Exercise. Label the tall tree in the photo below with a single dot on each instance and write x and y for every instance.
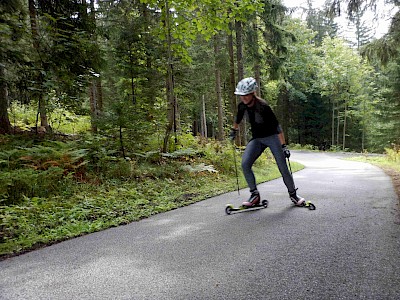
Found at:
(5, 126)
(95, 87)
(171, 98)
(240, 73)
(362, 30)
(10, 52)
(42, 109)
(341, 76)
(232, 78)
(320, 22)
(220, 108)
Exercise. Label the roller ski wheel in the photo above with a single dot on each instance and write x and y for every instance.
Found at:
(230, 208)
(307, 204)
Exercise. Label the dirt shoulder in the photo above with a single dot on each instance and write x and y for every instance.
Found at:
(395, 175)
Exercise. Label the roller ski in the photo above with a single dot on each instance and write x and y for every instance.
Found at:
(230, 208)
(252, 204)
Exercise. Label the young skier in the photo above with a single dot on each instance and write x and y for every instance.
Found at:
(266, 132)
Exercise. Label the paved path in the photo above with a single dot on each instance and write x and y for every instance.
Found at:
(349, 248)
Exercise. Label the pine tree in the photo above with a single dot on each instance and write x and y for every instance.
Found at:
(11, 53)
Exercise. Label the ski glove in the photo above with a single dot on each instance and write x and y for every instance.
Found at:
(232, 134)
(286, 151)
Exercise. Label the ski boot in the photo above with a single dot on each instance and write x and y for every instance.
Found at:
(296, 199)
(254, 200)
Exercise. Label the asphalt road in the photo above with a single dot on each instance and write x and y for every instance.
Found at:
(348, 248)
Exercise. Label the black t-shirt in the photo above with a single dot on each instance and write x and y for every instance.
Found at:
(261, 117)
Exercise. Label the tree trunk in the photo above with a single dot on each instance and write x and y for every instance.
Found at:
(150, 75)
(240, 73)
(172, 105)
(132, 64)
(121, 141)
(338, 127)
(218, 89)
(5, 126)
(333, 123)
(99, 88)
(232, 81)
(204, 133)
(257, 63)
(239, 50)
(94, 104)
(257, 76)
(363, 128)
(96, 89)
(34, 25)
(344, 125)
(43, 112)
(284, 109)
(42, 107)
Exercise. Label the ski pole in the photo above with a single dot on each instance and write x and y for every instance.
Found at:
(236, 170)
(290, 167)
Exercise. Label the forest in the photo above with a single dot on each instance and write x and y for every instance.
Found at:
(105, 92)
(153, 70)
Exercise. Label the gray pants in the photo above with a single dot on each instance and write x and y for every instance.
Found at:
(254, 149)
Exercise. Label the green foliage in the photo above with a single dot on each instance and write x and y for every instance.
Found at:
(125, 48)
(393, 154)
(39, 170)
(61, 120)
(20, 183)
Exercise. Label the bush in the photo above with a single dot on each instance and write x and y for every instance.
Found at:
(393, 154)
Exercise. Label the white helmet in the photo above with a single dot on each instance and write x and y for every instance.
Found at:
(246, 86)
